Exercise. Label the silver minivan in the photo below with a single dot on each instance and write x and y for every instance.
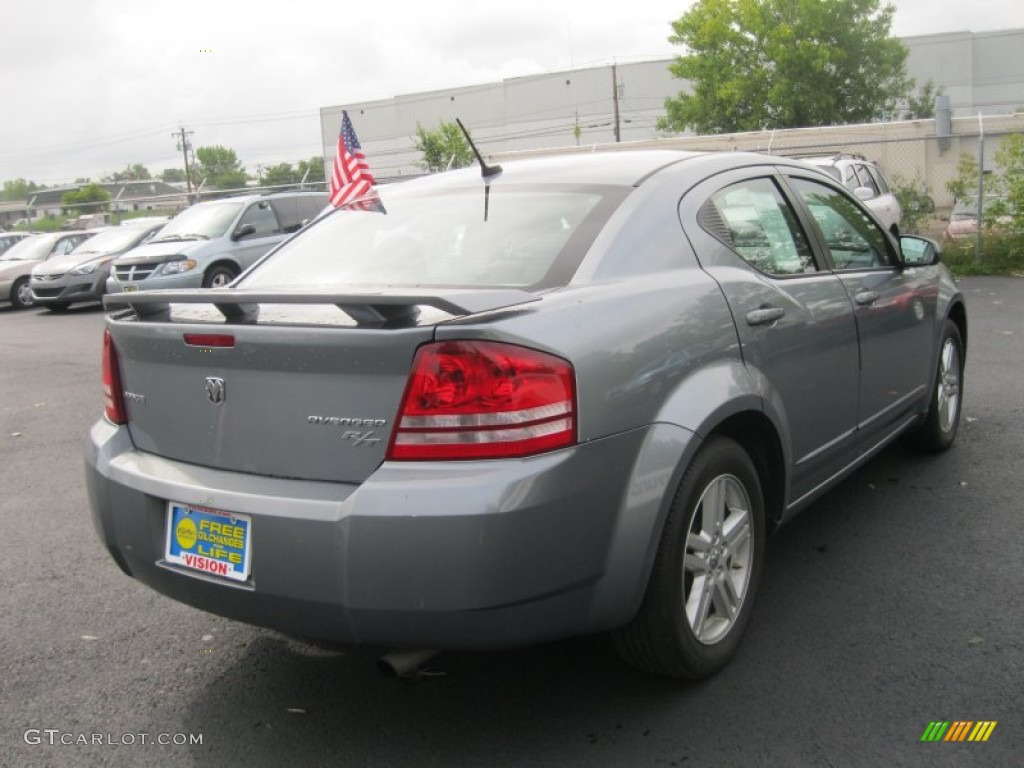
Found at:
(211, 243)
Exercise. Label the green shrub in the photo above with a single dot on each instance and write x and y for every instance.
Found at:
(914, 200)
(1000, 255)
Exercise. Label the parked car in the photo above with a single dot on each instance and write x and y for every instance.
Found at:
(81, 275)
(963, 219)
(209, 244)
(16, 262)
(571, 397)
(7, 239)
(863, 178)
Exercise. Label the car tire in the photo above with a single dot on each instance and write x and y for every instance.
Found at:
(939, 429)
(21, 294)
(218, 277)
(706, 572)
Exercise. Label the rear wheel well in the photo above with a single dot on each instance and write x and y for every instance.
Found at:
(755, 432)
(958, 315)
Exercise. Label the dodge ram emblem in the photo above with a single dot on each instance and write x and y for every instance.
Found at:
(215, 389)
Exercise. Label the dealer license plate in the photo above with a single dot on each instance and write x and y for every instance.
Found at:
(209, 540)
(129, 288)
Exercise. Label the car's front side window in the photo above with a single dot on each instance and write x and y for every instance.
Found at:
(64, 246)
(753, 219)
(866, 180)
(261, 217)
(851, 237)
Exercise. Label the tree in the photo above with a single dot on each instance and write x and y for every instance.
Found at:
(136, 172)
(921, 104)
(19, 189)
(966, 181)
(173, 176)
(282, 173)
(88, 199)
(762, 64)
(220, 167)
(1008, 184)
(315, 166)
(444, 148)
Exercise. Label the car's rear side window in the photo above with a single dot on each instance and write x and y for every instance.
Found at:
(295, 211)
(753, 219)
(514, 236)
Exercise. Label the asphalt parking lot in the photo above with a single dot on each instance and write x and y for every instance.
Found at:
(894, 601)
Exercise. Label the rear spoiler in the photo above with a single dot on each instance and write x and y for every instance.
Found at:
(386, 306)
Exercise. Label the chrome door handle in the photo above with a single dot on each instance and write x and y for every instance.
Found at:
(866, 298)
(765, 315)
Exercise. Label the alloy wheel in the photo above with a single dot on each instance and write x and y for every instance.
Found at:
(718, 560)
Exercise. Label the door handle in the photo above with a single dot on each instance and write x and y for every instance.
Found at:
(765, 315)
(866, 298)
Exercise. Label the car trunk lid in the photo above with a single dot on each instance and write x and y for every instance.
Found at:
(289, 385)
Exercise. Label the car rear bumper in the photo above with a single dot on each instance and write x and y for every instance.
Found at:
(469, 555)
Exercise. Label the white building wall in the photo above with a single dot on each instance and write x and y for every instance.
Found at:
(979, 72)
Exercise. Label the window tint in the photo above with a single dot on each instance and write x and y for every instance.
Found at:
(754, 220)
(851, 238)
(262, 217)
(294, 211)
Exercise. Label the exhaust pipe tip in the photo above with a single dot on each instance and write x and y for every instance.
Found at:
(404, 662)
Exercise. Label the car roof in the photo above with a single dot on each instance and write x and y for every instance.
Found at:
(615, 168)
(247, 198)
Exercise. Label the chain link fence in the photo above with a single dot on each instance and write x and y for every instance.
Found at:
(923, 162)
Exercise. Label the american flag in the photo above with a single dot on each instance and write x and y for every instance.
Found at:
(351, 177)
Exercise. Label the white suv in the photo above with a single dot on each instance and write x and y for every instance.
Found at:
(863, 178)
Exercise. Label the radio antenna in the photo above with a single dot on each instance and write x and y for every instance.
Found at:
(485, 169)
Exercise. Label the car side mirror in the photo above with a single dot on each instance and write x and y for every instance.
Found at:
(243, 231)
(864, 193)
(919, 251)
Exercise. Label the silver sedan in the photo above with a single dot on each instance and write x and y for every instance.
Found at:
(491, 410)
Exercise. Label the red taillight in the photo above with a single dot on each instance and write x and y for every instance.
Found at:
(209, 339)
(113, 398)
(484, 400)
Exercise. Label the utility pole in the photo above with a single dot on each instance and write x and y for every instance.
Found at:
(615, 101)
(981, 188)
(185, 146)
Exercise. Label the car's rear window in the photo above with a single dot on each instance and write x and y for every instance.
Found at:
(526, 237)
(832, 171)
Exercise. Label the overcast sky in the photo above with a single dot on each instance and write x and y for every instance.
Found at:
(89, 86)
